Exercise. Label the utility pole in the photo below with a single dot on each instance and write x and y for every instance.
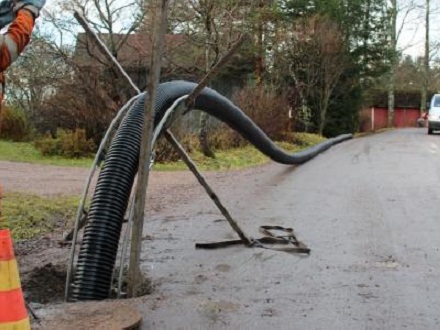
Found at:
(158, 10)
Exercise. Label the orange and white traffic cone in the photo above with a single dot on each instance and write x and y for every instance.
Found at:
(13, 313)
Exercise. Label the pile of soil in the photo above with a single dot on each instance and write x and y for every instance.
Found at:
(45, 284)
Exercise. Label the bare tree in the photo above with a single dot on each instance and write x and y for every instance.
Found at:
(212, 26)
(408, 74)
(318, 61)
(205, 8)
(35, 77)
(432, 47)
(404, 8)
(82, 88)
(426, 59)
(331, 66)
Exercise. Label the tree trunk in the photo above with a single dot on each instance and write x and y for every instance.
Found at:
(259, 61)
(323, 108)
(391, 103)
(425, 85)
(204, 117)
(203, 135)
(391, 81)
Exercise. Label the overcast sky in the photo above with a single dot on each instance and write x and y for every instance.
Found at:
(412, 38)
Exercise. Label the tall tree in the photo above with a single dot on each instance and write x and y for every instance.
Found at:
(393, 62)
(213, 26)
(262, 17)
(204, 117)
(319, 59)
(404, 9)
(87, 90)
(205, 8)
(426, 59)
(35, 78)
(362, 28)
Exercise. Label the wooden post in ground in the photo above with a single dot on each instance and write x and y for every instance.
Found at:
(158, 10)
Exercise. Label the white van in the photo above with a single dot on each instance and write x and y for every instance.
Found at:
(434, 114)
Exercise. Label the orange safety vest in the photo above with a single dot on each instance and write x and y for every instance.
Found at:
(12, 44)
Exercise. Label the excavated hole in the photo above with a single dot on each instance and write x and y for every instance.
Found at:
(46, 284)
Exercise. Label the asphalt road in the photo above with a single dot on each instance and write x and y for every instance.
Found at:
(367, 208)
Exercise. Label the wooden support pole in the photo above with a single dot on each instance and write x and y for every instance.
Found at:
(171, 139)
(159, 12)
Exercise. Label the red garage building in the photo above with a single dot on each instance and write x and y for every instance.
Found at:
(406, 112)
(376, 118)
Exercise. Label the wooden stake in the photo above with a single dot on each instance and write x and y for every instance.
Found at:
(159, 12)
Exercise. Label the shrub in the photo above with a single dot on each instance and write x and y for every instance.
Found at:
(75, 144)
(47, 145)
(14, 124)
(225, 138)
(70, 144)
(222, 138)
(303, 140)
(165, 152)
(266, 107)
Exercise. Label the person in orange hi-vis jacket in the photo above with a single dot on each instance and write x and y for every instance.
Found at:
(21, 16)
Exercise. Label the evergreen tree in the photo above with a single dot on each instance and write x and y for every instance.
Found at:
(363, 28)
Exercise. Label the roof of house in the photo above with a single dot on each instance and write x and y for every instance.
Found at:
(134, 50)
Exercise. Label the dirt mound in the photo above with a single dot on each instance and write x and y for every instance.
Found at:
(45, 284)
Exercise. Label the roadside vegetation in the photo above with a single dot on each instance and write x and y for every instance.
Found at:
(239, 157)
(29, 216)
(25, 152)
(242, 156)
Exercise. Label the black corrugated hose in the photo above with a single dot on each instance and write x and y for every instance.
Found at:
(96, 259)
